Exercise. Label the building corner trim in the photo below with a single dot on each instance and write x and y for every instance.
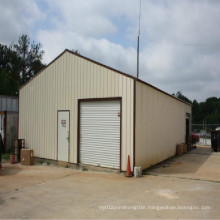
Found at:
(134, 124)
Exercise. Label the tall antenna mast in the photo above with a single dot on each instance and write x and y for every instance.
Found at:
(139, 33)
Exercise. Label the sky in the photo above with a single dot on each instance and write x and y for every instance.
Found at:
(179, 39)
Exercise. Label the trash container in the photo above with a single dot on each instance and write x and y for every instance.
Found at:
(215, 140)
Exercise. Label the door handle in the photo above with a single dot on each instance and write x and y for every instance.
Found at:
(68, 136)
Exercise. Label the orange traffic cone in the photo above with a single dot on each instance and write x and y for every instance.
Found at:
(128, 173)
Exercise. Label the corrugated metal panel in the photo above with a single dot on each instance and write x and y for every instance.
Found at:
(14, 105)
(8, 103)
(59, 87)
(160, 125)
(4, 104)
(100, 133)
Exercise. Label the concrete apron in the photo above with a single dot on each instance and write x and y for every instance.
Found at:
(46, 191)
(199, 164)
(83, 167)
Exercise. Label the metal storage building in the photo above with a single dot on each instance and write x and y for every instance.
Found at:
(80, 111)
(8, 120)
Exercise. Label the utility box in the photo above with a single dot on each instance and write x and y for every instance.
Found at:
(27, 157)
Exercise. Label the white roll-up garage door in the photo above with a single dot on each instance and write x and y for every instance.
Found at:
(100, 133)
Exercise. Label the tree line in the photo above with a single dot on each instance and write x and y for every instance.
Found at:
(20, 61)
(208, 111)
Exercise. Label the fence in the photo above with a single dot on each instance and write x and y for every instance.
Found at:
(204, 132)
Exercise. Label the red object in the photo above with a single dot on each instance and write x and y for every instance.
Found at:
(12, 159)
(128, 173)
(194, 138)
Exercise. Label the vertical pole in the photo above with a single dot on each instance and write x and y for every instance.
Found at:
(139, 32)
(205, 134)
(138, 58)
(203, 131)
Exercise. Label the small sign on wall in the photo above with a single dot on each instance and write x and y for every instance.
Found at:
(63, 123)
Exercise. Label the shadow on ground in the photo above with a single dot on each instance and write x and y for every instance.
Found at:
(8, 170)
(200, 163)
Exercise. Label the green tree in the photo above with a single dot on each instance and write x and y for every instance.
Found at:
(212, 110)
(19, 63)
(8, 85)
(180, 96)
(208, 111)
(195, 110)
(9, 71)
(30, 55)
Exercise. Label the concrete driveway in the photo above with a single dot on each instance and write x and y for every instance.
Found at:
(199, 164)
(55, 192)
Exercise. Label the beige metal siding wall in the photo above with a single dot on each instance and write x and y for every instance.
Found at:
(160, 125)
(59, 87)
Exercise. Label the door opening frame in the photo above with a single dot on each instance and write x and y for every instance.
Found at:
(188, 130)
(58, 133)
(4, 128)
(78, 123)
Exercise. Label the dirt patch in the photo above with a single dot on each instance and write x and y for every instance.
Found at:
(16, 176)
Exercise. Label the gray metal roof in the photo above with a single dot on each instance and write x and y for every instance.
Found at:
(8, 103)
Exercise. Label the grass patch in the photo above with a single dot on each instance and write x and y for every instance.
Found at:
(84, 169)
(44, 162)
(67, 166)
(6, 156)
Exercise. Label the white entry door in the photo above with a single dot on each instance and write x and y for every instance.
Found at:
(63, 135)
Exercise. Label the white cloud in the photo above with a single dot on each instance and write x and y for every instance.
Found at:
(180, 40)
(86, 17)
(101, 50)
(178, 68)
(16, 18)
(182, 21)
(183, 53)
